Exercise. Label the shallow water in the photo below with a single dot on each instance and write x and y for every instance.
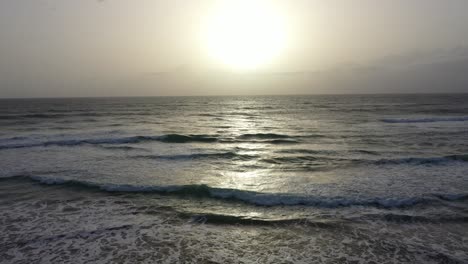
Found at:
(235, 179)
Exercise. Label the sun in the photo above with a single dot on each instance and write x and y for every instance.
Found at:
(244, 34)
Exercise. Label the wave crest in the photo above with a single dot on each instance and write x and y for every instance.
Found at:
(171, 138)
(220, 155)
(263, 136)
(255, 198)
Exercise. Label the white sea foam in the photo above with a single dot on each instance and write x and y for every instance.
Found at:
(59, 225)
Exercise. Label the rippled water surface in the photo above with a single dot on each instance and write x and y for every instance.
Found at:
(380, 177)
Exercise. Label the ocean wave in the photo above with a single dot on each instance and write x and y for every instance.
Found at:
(170, 138)
(321, 159)
(222, 219)
(452, 197)
(425, 120)
(298, 159)
(8, 117)
(76, 142)
(67, 114)
(124, 148)
(267, 138)
(252, 197)
(220, 155)
(263, 136)
(279, 141)
(45, 115)
(267, 141)
(176, 138)
(10, 139)
(206, 114)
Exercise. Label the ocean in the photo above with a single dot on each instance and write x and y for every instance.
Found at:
(235, 179)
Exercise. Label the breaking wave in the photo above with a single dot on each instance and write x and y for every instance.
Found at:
(255, 198)
(221, 219)
(169, 138)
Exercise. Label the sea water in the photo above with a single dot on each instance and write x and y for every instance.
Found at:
(237, 179)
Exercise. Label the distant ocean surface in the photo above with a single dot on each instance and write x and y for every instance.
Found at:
(259, 179)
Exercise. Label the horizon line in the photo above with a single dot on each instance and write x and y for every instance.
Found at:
(232, 95)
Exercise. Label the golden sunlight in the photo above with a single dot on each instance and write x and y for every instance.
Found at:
(244, 35)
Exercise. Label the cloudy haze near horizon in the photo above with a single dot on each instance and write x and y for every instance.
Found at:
(54, 48)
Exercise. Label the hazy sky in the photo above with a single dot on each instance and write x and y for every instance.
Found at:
(55, 48)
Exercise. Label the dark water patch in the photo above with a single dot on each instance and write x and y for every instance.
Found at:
(367, 152)
(32, 116)
(452, 197)
(207, 115)
(280, 141)
(8, 117)
(424, 219)
(440, 257)
(257, 107)
(176, 138)
(13, 139)
(436, 110)
(458, 157)
(124, 148)
(62, 128)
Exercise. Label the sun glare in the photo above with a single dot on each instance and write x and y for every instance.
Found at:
(244, 34)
